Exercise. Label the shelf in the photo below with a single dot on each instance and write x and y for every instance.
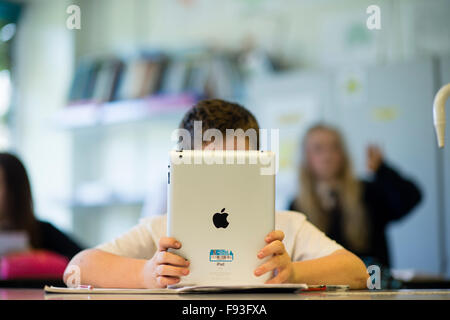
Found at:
(92, 114)
(112, 202)
(106, 204)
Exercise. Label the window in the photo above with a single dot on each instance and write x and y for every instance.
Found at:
(9, 14)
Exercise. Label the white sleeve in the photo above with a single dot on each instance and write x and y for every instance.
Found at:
(137, 243)
(311, 243)
(156, 201)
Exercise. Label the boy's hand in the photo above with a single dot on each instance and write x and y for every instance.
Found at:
(280, 262)
(374, 158)
(165, 268)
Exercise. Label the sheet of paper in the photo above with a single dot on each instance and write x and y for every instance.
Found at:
(13, 241)
(179, 290)
(52, 289)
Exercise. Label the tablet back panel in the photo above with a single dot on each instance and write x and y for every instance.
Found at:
(221, 214)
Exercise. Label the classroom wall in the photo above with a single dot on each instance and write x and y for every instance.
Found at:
(309, 35)
(42, 62)
(306, 33)
(444, 160)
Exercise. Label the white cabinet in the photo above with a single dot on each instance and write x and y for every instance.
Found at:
(444, 70)
(395, 112)
(388, 105)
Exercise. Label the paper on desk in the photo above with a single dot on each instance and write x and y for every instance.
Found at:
(262, 288)
(13, 241)
(177, 290)
(52, 289)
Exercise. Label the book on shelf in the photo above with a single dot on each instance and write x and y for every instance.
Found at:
(174, 78)
(151, 78)
(141, 77)
(197, 76)
(107, 80)
(205, 74)
(83, 82)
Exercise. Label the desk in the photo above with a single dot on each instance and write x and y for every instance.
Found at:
(38, 294)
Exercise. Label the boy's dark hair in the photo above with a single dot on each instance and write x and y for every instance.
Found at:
(221, 115)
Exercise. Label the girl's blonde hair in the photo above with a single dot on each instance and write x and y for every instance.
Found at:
(354, 220)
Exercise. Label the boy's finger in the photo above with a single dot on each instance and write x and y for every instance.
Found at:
(275, 247)
(165, 257)
(275, 235)
(167, 281)
(168, 270)
(279, 278)
(166, 243)
(273, 263)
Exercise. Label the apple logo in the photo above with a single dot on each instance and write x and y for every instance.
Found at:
(220, 219)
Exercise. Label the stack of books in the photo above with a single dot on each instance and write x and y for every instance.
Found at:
(201, 73)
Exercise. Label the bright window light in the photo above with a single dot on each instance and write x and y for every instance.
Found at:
(4, 138)
(5, 91)
(8, 32)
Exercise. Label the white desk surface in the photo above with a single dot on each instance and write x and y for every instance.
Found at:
(38, 294)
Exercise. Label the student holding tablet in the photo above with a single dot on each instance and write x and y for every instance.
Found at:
(144, 257)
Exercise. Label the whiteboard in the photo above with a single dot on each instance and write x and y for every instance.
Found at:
(395, 112)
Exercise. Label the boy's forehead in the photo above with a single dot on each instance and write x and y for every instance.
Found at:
(230, 143)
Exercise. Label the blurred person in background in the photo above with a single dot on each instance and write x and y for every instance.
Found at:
(17, 213)
(353, 212)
